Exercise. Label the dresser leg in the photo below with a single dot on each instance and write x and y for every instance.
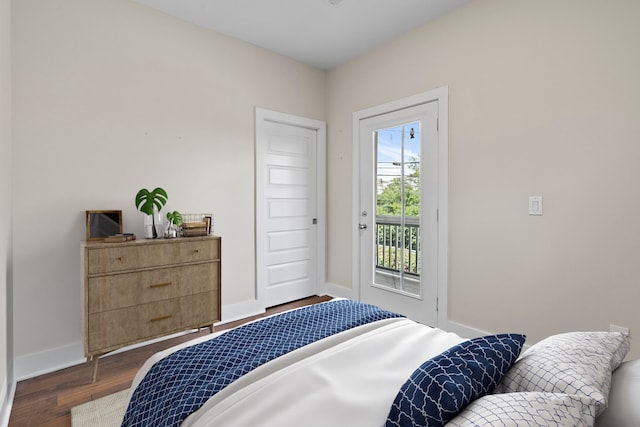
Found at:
(94, 373)
(211, 327)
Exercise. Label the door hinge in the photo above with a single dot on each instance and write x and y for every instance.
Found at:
(314, 221)
(437, 304)
(437, 215)
(438, 124)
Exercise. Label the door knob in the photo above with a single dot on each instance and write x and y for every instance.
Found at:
(363, 226)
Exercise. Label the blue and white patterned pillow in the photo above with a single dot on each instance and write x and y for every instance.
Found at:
(445, 384)
(528, 409)
(577, 363)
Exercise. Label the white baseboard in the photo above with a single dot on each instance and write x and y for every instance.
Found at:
(338, 291)
(43, 362)
(6, 394)
(47, 361)
(468, 332)
(463, 330)
(233, 312)
(3, 394)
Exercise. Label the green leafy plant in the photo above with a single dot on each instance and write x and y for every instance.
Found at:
(146, 200)
(175, 218)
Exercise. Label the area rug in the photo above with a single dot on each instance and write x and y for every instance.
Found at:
(107, 411)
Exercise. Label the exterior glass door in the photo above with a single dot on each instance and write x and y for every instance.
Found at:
(398, 156)
(397, 230)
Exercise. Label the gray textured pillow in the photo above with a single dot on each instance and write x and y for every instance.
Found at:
(527, 410)
(575, 363)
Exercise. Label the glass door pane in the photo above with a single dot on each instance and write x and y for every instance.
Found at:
(398, 207)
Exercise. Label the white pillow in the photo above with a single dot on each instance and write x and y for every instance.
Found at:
(623, 410)
(575, 363)
(527, 409)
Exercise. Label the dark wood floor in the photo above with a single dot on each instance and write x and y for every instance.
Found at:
(47, 400)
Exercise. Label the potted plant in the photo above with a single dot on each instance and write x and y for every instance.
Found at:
(149, 201)
(175, 221)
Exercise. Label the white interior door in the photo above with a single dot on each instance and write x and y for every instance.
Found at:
(398, 214)
(286, 206)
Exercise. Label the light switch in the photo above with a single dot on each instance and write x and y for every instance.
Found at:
(535, 205)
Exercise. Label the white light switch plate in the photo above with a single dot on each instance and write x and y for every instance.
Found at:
(535, 205)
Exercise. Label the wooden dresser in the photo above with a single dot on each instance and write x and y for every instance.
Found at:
(143, 289)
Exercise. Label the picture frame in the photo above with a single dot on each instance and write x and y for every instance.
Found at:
(101, 224)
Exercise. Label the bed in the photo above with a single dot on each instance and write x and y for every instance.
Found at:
(346, 363)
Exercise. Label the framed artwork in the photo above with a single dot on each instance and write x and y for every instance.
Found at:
(102, 224)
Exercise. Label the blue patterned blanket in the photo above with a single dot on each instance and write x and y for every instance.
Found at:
(182, 382)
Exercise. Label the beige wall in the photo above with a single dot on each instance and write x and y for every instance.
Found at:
(543, 101)
(5, 197)
(111, 97)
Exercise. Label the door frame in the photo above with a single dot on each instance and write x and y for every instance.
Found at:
(441, 95)
(263, 115)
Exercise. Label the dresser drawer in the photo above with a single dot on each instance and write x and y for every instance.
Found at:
(129, 289)
(197, 250)
(124, 257)
(116, 328)
(104, 260)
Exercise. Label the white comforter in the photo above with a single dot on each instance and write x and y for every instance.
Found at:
(349, 379)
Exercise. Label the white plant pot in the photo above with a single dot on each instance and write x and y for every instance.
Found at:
(149, 224)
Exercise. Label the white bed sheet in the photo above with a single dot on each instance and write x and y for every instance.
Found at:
(349, 379)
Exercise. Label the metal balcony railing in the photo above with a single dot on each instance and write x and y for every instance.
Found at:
(398, 246)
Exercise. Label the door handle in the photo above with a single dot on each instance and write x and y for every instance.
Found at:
(363, 226)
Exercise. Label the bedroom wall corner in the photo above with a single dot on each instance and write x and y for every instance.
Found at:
(543, 101)
(152, 101)
(7, 384)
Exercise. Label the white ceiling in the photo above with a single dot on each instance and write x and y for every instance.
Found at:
(315, 32)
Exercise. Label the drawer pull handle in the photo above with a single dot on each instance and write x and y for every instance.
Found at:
(157, 319)
(160, 285)
(196, 251)
(120, 258)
